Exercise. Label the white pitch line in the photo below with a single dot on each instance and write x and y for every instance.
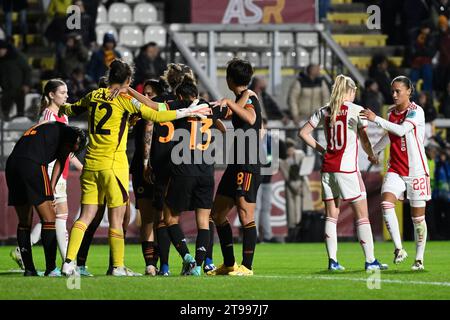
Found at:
(433, 283)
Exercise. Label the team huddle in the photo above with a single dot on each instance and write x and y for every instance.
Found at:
(36, 171)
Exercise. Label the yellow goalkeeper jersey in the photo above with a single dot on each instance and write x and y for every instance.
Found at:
(108, 126)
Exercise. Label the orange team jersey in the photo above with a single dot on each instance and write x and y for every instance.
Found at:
(108, 126)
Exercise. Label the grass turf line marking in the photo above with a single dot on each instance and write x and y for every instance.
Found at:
(429, 283)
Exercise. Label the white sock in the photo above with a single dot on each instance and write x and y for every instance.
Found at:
(390, 218)
(420, 235)
(61, 234)
(331, 237)
(364, 231)
(35, 235)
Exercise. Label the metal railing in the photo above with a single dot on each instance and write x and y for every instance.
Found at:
(330, 55)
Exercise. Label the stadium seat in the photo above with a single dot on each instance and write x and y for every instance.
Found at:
(127, 54)
(307, 39)
(222, 58)
(134, 1)
(257, 39)
(119, 13)
(231, 39)
(100, 30)
(355, 40)
(187, 38)
(286, 39)
(251, 57)
(145, 13)
(131, 36)
(349, 18)
(32, 100)
(13, 130)
(102, 15)
(156, 34)
(363, 62)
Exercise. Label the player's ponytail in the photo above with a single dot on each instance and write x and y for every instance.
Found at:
(119, 72)
(51, 86)
(176, 73)
(341, 87)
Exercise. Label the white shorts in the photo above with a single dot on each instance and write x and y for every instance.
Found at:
(417, 188)
(61, 190)
(345, 186)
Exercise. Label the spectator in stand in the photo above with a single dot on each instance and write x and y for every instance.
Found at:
(425, 100)
(269, 108)
(79, 85)
(306, 93)
(443, 8)
(422, 50)
(15, 80)
(263, 208)
(56, 30)
(379, 71)
(102, 58)
(442, 70)
(392, 20)
(432, 152)
(415, 12)
(73, 56)
(295, 187)
(441, 195)
(149, 64)
(444, 108)
(19, 6)
(91, 7)
(86, 31)
(372, 97)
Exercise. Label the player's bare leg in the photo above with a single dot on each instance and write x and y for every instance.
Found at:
(332, 212)
(391, 221)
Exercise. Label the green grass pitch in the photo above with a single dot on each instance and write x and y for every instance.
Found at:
(282, 271)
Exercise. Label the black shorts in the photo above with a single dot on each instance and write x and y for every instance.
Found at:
(236, 183)
(28, 182)
(155, 192)
(186, 193)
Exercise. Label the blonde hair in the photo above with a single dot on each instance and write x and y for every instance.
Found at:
(342, 85)
(176, 73)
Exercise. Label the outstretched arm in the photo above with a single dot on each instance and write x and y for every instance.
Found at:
(397, 129)
(143, 99)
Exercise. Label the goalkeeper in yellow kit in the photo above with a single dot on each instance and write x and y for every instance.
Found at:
(105, 173)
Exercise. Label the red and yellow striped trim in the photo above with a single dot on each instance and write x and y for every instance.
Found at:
(48, 190)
